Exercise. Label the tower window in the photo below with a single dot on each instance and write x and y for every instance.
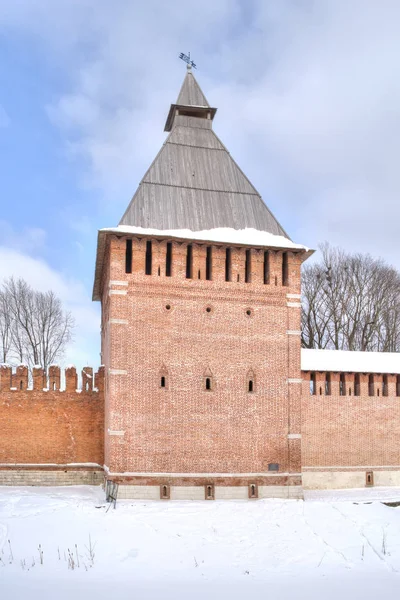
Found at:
(128, 256)
(189, 261)
(357, 384)
(247, 273)
(371, 385)
(313, 387)
(149, 258)
(385, 386)
(163, 382)
(285, 270)
(251, 385)
(168, 260)
(342, 385)
(209, 263)
(327, 384)
(266, 267)
(228, 264)
(208, 383)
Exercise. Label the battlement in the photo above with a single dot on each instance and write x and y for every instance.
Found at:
(327, 383)
(147, 259)
(17, 379)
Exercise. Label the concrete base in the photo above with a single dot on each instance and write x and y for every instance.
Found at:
(197, 492)
(346, 479)
(50, 477)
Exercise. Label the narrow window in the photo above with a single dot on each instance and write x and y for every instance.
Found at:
(228, 264)
(20, 385)
(313, 387)
(285, 270)
(398, 385)
(247, 271)
(209, 492)
(159, 271)
(349, 391)
(149, 258)
(198, 274)
(209, 263)
(251, 385)
(385, 386)
(128, 256)
(369, 478)
(266, 266)
(168, 260)
(253, 491)
(189, 261)
(327, 384)
(208, 383)
(342, 385)
(163, 381)
(164, 492)
(371, 385)
(357, 384)
(87, 387)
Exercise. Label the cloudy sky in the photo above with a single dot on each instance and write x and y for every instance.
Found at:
(308, 97)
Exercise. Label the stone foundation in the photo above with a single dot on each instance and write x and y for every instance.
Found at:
(350, 478)
(50, 477)
(198, 492)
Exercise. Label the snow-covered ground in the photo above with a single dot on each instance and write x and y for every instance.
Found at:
(326, 547)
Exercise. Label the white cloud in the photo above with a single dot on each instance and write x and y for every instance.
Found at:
(30, 239)
(86, 346)
(308, 98)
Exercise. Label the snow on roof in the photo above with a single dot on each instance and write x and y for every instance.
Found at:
(226, 235)
(350, 361)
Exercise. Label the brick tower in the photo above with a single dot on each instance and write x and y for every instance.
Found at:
(200, 293)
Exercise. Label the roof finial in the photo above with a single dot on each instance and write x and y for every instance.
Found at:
(188, 61)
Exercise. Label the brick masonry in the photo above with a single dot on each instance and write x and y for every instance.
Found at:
(346, 436)
(181, 435)
(187, 331)
(49, 436)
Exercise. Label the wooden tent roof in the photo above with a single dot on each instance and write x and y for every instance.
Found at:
(194, 183)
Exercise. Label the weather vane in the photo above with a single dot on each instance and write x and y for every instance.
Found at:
(186, 58)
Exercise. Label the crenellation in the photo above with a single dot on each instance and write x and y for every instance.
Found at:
(54, 377)
(87, 379)
(71, 379)
(19, 378)
(5, 377)
(39, 379)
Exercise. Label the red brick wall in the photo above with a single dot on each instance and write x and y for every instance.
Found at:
(350, 430)
(51, 426)
(185, 429)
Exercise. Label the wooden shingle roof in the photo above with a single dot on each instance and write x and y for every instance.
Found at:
(194, 183)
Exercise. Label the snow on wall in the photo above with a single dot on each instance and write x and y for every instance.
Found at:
(226, 235)
(350, 361)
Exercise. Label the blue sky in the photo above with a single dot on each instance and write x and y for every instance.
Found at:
(308, 99)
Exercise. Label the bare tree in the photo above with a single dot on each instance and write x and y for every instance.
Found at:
(5, 328)
(34, 328)
(350, 302)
